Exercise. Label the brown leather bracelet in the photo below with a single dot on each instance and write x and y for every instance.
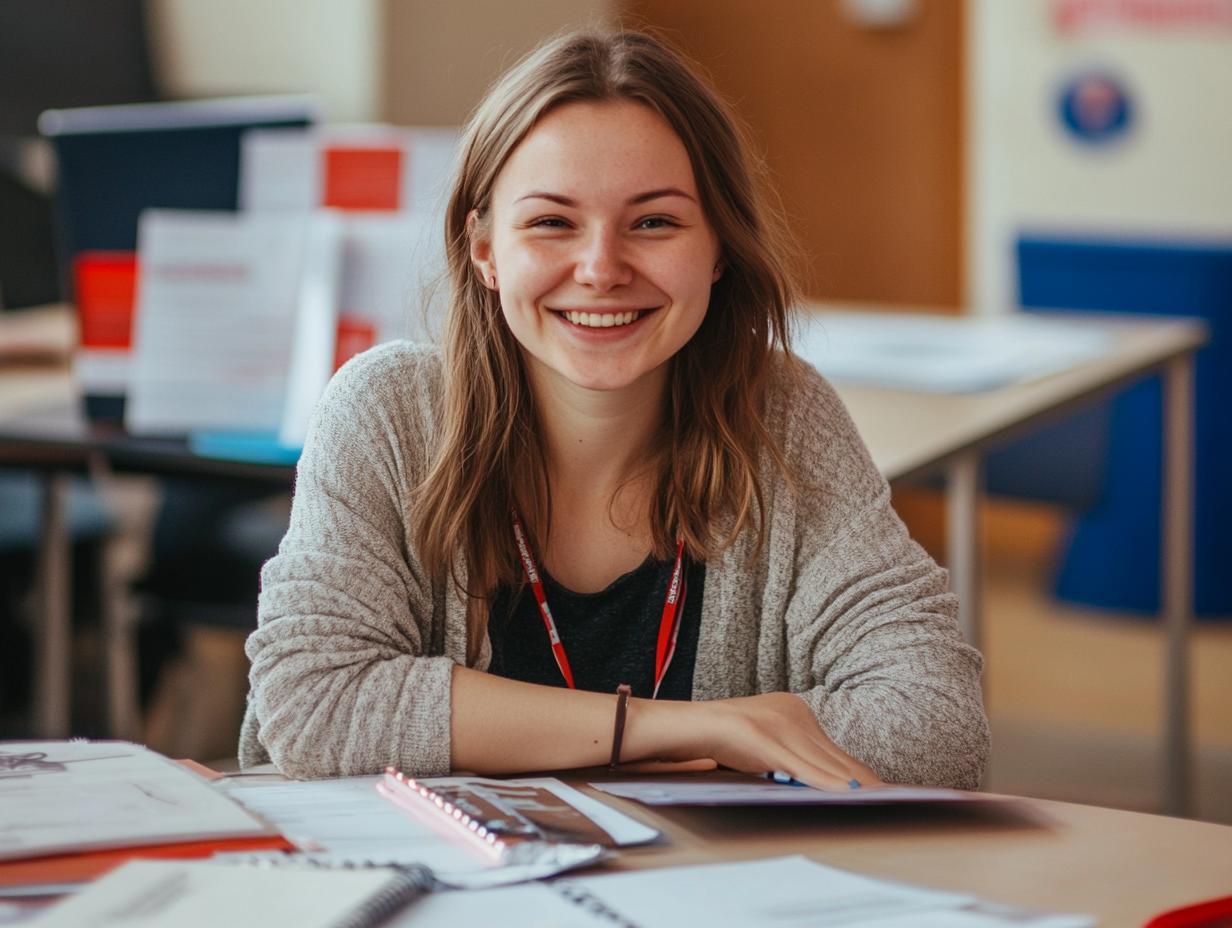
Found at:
(623, 692)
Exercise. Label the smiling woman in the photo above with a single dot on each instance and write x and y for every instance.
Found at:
(615, 426)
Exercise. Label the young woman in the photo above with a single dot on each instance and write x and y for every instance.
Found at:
(613, 473)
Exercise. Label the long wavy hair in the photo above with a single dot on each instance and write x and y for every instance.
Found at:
(490, 455)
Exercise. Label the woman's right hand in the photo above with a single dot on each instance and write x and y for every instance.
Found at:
(754, 734)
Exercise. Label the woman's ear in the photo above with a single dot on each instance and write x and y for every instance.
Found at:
(718, 270)
(481, 250)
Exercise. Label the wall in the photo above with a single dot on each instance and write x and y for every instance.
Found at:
(440, 57)
(862, 128)
(329, 48)
(1167, 176)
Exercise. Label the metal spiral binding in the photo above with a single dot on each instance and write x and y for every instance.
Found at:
(408, 884)
(474, 827)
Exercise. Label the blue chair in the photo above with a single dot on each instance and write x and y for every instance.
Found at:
(1108, 463)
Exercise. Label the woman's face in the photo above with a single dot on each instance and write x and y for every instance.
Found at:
(598, 245)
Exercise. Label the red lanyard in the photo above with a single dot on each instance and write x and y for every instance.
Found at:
(669, 623)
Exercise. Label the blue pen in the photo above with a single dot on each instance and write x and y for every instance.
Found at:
(778, 776)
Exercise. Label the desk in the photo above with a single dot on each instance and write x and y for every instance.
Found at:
(909, 435)
(1120, 866)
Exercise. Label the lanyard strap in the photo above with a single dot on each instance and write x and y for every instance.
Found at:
(669, 622)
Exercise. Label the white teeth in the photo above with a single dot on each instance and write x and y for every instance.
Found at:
(601, 320)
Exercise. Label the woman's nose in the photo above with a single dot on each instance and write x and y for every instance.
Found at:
(601, 262)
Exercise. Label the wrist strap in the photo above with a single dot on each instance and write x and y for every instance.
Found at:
(622, 704)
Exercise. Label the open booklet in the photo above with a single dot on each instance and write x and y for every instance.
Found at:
(787, 892)
(471, 831)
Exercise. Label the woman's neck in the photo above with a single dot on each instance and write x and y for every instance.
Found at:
(596, 440)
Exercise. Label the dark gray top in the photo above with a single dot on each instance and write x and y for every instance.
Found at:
(610, 636)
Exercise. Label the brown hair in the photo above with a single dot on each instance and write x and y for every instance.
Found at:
(714, 430)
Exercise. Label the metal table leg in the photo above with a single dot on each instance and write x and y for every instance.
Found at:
(1176, 546)
(962, 499)
(53, 626)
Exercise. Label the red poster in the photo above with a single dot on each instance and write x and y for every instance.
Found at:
(363, 178)
(106, 286)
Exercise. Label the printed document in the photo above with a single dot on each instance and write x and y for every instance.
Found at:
(58, 797)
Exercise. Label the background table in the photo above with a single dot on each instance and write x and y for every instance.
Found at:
(912, 434)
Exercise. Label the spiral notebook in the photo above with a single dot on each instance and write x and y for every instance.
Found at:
(471, 831)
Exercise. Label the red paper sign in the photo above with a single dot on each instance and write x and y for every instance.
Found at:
(106, 286)
(354, 335)
(363, 178)
(1072, 16)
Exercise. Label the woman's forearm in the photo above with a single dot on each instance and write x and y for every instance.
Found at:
(505, 726)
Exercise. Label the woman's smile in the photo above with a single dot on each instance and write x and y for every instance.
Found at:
(598, 245)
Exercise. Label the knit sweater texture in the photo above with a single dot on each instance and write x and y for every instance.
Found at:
(351, 661)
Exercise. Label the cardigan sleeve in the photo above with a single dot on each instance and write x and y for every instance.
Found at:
(341, 681)
(872, 636)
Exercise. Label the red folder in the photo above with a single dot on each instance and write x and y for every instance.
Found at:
(81, 868)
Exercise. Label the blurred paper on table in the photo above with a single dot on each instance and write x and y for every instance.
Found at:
(941, 354)
(235, 313)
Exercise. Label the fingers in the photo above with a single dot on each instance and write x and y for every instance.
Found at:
(817, 760)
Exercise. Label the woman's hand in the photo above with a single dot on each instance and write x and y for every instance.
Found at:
(755, 734)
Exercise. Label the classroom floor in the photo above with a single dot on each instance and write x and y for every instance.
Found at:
(1075, 695)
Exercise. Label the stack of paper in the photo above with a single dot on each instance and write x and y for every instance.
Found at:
(72, 810)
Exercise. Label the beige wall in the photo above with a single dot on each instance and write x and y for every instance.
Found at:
(1167, 177)
(439, 56)
(327, 48)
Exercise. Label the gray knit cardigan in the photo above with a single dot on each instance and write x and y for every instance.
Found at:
(351, 660)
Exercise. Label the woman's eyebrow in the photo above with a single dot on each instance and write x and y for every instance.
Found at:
(639, 198)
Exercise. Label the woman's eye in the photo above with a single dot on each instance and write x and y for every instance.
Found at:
(548, 222)
(655, 222)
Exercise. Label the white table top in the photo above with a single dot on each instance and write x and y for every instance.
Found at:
(910, 432)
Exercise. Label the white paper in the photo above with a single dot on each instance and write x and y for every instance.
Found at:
(942, 354)
(392, 274)
(700, 792)
(531, 906)
(218, 304)
(57, 797)
(789, 892)
(314, 329)
(201, 894)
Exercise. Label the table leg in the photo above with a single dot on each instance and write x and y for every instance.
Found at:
(1176, 545)
(120, 646)
(962, 500)
(52, 621)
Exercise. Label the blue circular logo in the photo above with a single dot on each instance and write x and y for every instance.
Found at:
(1095, 108)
